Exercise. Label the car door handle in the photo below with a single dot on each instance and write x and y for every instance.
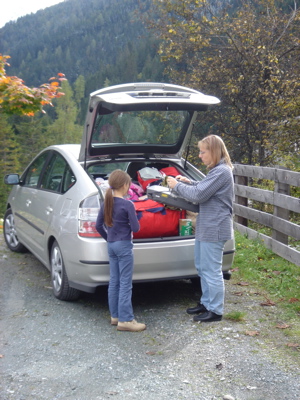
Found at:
(28, 202)
(49, 210)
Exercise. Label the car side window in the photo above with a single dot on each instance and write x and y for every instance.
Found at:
(58, 176)
(34, 171)
(69, 179)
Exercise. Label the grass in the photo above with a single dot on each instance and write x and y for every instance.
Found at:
(236, 316)
(276, 276)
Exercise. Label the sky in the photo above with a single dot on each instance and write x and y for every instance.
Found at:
(14, 9)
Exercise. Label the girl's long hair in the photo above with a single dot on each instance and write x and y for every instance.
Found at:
(218, 150)
(117, 179)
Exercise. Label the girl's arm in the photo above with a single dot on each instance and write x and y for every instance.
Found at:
(100, 227)
(133, 220)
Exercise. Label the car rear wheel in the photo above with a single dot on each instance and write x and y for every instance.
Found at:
(10, 234)
(59, 278)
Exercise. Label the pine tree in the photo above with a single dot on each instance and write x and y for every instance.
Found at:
(64, 129)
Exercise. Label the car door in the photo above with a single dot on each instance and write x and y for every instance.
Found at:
(25, 201)
(39, 204)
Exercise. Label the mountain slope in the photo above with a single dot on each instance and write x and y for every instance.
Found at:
(99, 39)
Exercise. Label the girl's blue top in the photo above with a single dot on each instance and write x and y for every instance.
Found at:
(124, 221)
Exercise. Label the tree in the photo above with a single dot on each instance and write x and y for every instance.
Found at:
(249, 58)
(10, 155)
(16, 98)
(64, 129)
(79, 91)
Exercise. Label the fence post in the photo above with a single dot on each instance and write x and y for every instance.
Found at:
(241, 180)
(280, 212)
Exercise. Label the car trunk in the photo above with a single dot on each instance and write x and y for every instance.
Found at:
(158, 220)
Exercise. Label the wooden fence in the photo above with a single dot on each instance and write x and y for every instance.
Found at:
(282, 204)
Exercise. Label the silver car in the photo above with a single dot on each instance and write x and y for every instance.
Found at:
(53, 205)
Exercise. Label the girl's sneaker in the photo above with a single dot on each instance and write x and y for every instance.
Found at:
(131, 326)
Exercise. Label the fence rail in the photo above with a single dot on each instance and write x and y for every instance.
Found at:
(280, 199)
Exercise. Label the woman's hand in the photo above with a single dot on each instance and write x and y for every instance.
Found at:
(183, 179)
(172, 182)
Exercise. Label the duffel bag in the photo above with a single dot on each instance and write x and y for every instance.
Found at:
(156, 220)
(148, 175)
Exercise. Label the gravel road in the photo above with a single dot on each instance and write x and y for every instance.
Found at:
(58, 350)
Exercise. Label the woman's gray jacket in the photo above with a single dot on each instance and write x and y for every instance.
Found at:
(215, 197)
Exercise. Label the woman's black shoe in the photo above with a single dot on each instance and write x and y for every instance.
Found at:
(208, 316)
(197, 310)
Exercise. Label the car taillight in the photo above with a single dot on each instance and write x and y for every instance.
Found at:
(88, 212)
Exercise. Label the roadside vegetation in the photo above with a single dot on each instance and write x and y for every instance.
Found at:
(275, 277)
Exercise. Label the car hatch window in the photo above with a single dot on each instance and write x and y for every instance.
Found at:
(143, 127)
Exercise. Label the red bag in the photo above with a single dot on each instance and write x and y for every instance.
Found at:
(145, 183)
(170, 171)
(156, 220)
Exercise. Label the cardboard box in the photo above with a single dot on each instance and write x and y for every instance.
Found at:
(185, 227)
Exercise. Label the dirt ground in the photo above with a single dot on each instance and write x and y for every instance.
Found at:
(58, 350)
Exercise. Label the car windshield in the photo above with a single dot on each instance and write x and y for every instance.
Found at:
(141, 127)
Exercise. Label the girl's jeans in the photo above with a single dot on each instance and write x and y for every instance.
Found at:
(120, 283)
(208, 262)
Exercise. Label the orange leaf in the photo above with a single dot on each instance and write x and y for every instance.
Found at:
(293, 344)
(243, 283)
(54, 84)
(60, 74)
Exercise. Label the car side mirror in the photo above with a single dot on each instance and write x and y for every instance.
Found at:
(12, 179)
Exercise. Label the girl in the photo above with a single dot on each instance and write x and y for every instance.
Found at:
(116, 221)
(214, 224)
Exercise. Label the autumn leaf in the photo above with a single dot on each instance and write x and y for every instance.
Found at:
(243, 284)
(268, 303)
(282, 326)
(151, 353)
(252, 333)
(296, 345)
(293, 300)
(238, 293)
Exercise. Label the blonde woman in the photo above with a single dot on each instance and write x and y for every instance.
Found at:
(213, 226)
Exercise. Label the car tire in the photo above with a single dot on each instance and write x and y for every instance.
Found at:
(10, 233)
(59, 278)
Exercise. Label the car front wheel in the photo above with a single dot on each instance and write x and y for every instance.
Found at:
(10, 233)
(59, 278)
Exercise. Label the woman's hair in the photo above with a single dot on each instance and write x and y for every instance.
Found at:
(217, 148)
(117, 179)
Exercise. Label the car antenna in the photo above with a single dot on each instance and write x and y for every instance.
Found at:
(188, 147)
(85, 151)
